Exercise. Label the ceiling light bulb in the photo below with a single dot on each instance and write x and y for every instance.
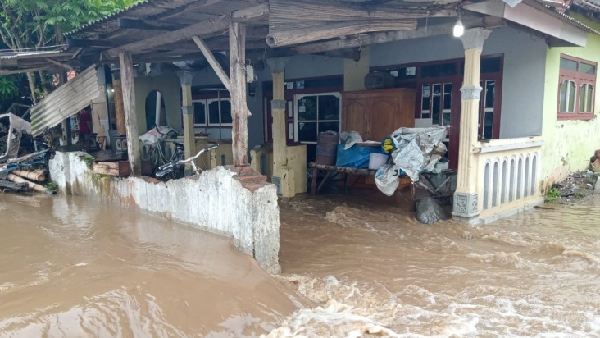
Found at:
(458, 29)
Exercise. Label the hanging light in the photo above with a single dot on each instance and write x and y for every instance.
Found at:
(458, 28)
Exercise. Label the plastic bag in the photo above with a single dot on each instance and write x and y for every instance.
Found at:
(386, 180)
(350, 138)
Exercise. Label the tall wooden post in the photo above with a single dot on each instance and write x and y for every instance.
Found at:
(239, 105)
(465, 206)
(119, 108)
(131, 126)
(187, 108)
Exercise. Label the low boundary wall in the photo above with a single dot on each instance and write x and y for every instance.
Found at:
(238, 203)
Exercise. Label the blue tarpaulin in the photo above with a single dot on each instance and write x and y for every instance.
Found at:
(356, 156)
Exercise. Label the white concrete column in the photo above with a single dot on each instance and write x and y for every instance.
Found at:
(280, 158)
(465, 206)
(277, 66)
(187, 107)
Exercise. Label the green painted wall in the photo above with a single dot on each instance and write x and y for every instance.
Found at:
(568, 144)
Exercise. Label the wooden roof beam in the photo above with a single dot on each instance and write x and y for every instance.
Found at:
(125, 23)
(199, 29)
(330, 31)
(59, 64)
(383, 37)
(213, 62)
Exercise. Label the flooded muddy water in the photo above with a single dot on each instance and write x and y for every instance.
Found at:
(373, 270)
(353, 266)
(70, 268)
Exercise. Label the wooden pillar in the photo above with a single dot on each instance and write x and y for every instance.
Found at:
(239, 105)
(119, 108)
(131, 126)
(187, 108)
(465, 206)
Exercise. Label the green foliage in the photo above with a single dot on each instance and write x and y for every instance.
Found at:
(552, 195)
(40, 23)
(52, 186)
(8, 88)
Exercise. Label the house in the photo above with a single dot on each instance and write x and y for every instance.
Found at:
(571, 101)
(279, 72)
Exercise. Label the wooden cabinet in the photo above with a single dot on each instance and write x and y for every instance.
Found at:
(375, 114)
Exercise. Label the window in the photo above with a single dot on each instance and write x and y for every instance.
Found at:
(212, 112)
(436, 103)
(576, 88)
(316, 114)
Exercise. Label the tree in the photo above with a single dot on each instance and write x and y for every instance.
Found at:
(35, 24)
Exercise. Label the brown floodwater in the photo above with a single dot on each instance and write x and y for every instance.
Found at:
(373, 270)
(353, 266)
(71, 268)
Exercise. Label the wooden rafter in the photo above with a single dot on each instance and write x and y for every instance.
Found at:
(200, 29)
(213, 62)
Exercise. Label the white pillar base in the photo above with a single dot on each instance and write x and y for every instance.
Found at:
(464, 206)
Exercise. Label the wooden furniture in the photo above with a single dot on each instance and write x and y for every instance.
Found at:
(329, 170)
(376, 113)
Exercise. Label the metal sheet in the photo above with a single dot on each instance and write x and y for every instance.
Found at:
(65, 101)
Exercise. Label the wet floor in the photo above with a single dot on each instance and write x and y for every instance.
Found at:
(353, 266)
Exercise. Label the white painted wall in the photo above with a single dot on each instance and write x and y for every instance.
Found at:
(215, 202)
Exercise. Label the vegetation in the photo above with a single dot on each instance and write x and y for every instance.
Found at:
(52, 186)
(36, 24)
(552, 195)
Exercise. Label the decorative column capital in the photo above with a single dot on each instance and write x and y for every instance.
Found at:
(277, 65)
(186, 77)
(470, 93)
(473, 38)
(278, 104)
(187, 110)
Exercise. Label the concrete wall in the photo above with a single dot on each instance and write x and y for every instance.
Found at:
(170, 89)
(522, 94)
(216, 201)
(568, 144)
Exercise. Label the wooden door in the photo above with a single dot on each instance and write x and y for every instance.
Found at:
(383, 112)
(355, 114)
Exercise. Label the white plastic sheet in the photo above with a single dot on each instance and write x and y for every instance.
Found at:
(155, 134)
(350, 138)
(386, 179)
(417, 149)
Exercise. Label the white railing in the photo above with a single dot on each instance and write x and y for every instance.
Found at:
(509, 174)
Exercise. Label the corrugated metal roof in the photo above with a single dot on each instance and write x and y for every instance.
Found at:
(115, 14)
(17, 55)
(593, 5)
(65, 101)
(573, 20)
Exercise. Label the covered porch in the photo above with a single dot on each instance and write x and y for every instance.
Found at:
(492, 144)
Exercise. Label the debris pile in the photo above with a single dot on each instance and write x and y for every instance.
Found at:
(578, 186)
(23, 164)
(595, 161)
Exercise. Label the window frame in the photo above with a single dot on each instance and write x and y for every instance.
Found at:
(207, 111)
(203, 101)
(297, 97)
(207, 102)
(579, 78)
